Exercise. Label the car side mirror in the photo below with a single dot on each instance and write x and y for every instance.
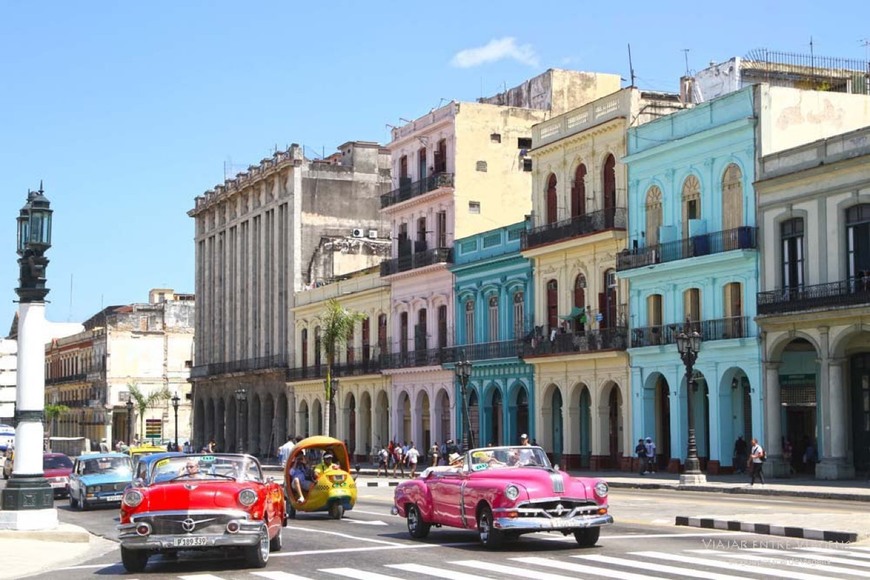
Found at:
(556, 467)
(138, 482)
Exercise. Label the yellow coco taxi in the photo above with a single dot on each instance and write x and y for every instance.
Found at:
(138, 451)
(317, 478)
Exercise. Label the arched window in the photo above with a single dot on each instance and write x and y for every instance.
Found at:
(733, 301)
(519, 314)
(792, 238)
(608, 300)
(304, 341)
(609, 182)
(552, 200)
(552, 305)
(579, 322)
(691, 202)
(493, 318)
(469, 321)
(732, 197)
(317, 347)
(692, 308)
(578, 192)
(653, 215)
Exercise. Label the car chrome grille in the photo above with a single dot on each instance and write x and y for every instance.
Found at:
(558, 508)
(179, 524)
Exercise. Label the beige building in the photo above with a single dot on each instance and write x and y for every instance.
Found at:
(362, 393)
(149, 346)
(285, 225)
(578, 225)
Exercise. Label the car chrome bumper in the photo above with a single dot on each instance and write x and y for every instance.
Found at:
(544, 524)
(248, 535)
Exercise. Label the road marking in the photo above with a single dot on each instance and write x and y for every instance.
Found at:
(677, 535)
(827, 557)
(582, 569)
(358, 574)
(437, 572)
(848, 552)
(748, 568)
(200, 577)
(279, 576)
(348, 550)
(365, 522)
(653, 567)
(510, 570)
(788, 559)
(380, 514)
(341, 535)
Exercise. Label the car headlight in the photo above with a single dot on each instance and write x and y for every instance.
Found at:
(601, 489)
(247, 497)
(132, 498)
(94, 489)
(512, 492)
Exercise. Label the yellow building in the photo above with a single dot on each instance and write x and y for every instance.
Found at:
(578, 225)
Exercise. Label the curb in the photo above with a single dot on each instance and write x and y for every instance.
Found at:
(65, 533)
(378, 484)
(767, 529)
(743, 490)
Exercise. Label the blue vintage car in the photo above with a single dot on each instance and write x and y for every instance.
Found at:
(144, 470)
(99, 479)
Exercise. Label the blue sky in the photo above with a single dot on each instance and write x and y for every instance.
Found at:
(129, 110)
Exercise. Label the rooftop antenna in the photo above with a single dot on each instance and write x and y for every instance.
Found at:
(630, 65)
(865, 42)
(686, 55)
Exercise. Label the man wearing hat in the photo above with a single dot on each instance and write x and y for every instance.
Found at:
(326, 463)
(454, 460)
(526, 455)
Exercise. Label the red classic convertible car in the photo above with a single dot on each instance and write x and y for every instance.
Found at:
(504, 492)
(198, 502)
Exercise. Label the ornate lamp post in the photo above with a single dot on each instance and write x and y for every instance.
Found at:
(27, 500)
(241, 399)
(129, 405)
(463, 371)
(688, 346)
(175, 399)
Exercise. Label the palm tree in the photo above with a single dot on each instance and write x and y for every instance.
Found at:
(337, 323)
(143, 402)
(52, 412)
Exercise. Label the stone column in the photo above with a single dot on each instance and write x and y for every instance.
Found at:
(835, 465)
(775, 465)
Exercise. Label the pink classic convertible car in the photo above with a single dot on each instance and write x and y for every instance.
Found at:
(504, 492)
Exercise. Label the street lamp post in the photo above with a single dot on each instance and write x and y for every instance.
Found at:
(688, 346)
(28, 500)
(129, 405)
(241, 398)
(463, 372)
(175, 400)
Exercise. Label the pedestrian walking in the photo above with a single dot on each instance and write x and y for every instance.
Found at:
(650, 447)
(756, 462)
(286, 450)
(640, 451)
(413, 456)
(399, 458)
(740, 454)
(383, 461)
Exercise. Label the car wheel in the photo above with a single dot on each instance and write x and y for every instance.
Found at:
(257, 556)
(83, 505)
(587, 537)
(134, 560)
(489, 536)
(336, 510)
(417, 527)
(276, 543)
(291, 512)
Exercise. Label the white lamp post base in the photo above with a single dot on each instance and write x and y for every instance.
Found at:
(44, 519)
(693, 479)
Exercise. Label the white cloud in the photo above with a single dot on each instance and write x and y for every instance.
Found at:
(496, 49)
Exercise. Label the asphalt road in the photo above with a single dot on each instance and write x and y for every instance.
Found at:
(371, 544)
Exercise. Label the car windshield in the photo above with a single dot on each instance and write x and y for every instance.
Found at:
(108, 465)
(56, 462)
(183, 467)
(507, 457)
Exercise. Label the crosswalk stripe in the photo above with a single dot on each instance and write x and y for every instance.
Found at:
(437, 572)
(827, 557)
(510, 570)
(581, 569)
(653, 567)
(749, 569)
(277, 575)
(849, 552)
(785, 559)
(200, 577)
(358, 574)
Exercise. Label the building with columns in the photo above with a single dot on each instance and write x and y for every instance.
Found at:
(260, 239)
(814, 216)
(576, 229)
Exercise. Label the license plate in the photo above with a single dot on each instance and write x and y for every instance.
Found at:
(113, 497)
(190, 541)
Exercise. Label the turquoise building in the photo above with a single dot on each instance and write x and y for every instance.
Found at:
(493, 289)
(692, 266)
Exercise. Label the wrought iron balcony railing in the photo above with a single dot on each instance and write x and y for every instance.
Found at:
(409, 190)
(416, 260)
(583, 225)
(248, 364)
(78, 377)
(366, 360)
(575, 342)
(742, 238)
(482, 351)
(849, 292)
(716, 329)
(414, 358)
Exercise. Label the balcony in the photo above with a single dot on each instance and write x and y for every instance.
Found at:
(410, 190)
(237, 366)
(716, 329)
(76, 378)
(482, 351)
(414, 358)
(849, 292)
(575, 342)
(416, 260)
(742, 238)
(366, 360)
(583, 225)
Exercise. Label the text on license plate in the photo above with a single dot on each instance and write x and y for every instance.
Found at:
(191, 541)
(114, 497)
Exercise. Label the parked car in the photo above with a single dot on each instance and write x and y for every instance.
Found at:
(503, 493)
(184, 502)
(99, 479)
(57, 467)
(333, 488)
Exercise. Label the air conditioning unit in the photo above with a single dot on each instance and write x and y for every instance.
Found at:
(373, 234)
(357, 233)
